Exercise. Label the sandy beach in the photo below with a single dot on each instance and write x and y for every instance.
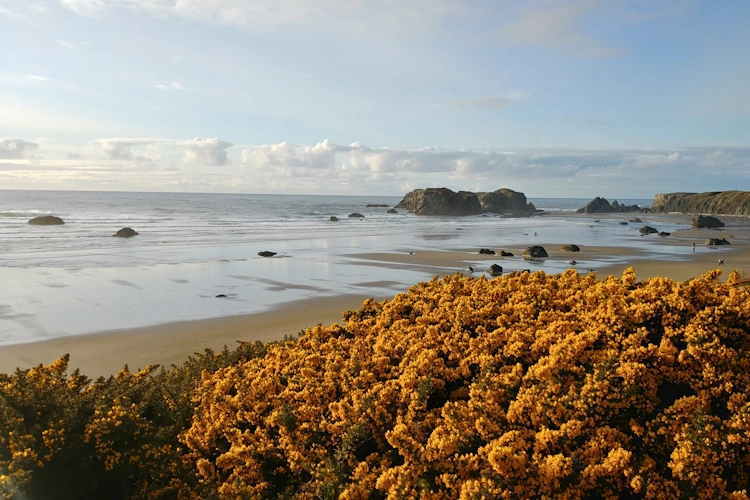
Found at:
(381, 274)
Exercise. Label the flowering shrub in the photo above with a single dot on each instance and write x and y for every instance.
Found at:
(65, 437)
(530, 385)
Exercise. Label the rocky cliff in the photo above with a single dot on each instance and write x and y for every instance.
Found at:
(716, 202)
(443, 201)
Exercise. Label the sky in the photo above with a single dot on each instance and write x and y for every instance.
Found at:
(555, 98)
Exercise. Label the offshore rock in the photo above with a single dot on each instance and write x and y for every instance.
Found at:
(570, 248)
(333, 218)
(503, 253)
(713, 202)
(266, 253)
(443, 201)
(486, 251)
(601, 206)
(440, 201)
(392, 211)
(504, 200)
(648, 230)
(706, 221)
(126, 232)
(356, 215)
(46, 220)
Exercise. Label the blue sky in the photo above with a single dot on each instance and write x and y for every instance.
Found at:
(551, 97)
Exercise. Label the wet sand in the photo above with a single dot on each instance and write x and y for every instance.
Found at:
(171, 343)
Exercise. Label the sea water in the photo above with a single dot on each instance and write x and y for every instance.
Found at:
(78, 278)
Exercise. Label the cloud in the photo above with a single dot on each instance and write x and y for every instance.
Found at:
(13, 149)
(205, 151)
(327, 167)
(556, 25)
(482, 103)
(120, 148)
(171, 86)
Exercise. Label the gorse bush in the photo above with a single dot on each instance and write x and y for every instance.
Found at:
(530, 385)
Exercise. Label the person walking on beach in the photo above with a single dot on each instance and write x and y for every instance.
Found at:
(693, 247)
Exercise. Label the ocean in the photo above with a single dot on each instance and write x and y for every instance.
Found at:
(176, 219)
(77, 278)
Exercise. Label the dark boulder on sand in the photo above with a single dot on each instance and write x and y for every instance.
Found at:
(495, 270)
(636, 220)
(356, 215)
(503, 253)
(570, 248)
(486, 251)
(647, 230)
(392, 211)
(664, 233)
(126, 232)
(623, 223)
(717, 241)
(706, 221)
(46, 220)
(535, 252)
(333, 218)
(266, 253)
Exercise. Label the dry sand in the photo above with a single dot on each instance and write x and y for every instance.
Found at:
(172, 343)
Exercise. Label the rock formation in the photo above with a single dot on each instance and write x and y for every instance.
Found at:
(443, 201)
(377, 205)
(486, 251)
(266, 253)
(717, 241)
(706, 221)
(392, 211)
(648, 230)
(495, 270)
(126, 232)
(715, 202)
(535, 252)
(503, 253)
(570, 248)
(356, 215)
(333, 218)
(46, 220)
(503, 201)
(601, 206)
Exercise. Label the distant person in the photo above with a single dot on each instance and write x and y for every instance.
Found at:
(721, 262)
(693, 247)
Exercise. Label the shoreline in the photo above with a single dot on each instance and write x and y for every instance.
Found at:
(105, 352)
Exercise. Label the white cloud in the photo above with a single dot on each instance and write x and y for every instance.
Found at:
(11, 149)
(171, 86)
(120, 148)
(205, 151)
(325, 167)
